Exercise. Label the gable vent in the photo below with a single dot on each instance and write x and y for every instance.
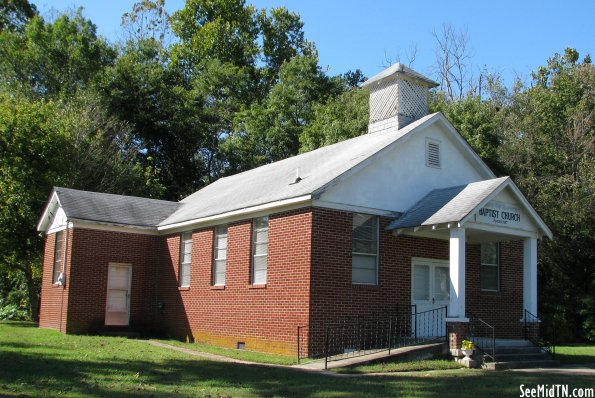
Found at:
(432, 154)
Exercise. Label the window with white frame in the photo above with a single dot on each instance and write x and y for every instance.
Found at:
(220, 255)
(260, 246)
(58, 256)
(364, 266)
(185, 259)
(490, 266)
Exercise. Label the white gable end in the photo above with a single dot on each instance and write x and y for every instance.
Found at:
(398, 177)
(504, 210)
(58, 220)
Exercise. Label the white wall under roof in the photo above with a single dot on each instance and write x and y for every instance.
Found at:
(399, 178)
(505, 197)
(58, 221)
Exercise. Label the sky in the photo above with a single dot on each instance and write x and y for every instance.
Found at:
(508, 37)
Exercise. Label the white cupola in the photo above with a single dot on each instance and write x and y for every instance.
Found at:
(398, 96)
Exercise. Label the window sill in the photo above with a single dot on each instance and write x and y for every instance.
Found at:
(491, 292)
(365, 285)
(259, 286)
(183, 288)
(218, 287)
(56, 284)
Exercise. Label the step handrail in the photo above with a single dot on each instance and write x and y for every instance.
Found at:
(531, 320)
(490, 337)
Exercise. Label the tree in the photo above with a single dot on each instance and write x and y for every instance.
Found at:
(145, 91)
(453, 66)
(148, 21)
(47, 143)
(547, 146)
(52, 59)
(15, 14)
(337, 119)
(271, 130)
(477, 122)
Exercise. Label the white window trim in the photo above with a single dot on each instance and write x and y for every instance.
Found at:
(185, 238)
(58, 249)
(376, 255)
(254, 255)
(216, 252)
(497, 265)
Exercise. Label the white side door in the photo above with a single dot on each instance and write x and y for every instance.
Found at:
(117, 308)
(430, 290)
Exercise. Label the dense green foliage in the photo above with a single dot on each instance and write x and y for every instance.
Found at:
(220, 87)
(542, 135)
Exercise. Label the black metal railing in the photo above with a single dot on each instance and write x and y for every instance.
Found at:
(483, 336)
(359, 336)
(538, 335)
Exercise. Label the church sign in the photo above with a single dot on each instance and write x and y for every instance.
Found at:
(499, 213)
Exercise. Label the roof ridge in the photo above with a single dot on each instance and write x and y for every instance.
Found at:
(163, 201)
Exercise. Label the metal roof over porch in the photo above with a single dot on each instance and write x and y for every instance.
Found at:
(464, 206)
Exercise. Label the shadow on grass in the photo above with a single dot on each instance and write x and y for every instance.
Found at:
(25, 371)
(20, 324)
(574, 359)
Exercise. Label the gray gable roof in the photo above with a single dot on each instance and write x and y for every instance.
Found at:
(446, 205)
(400, 69)
(114, 209)
(276, 181)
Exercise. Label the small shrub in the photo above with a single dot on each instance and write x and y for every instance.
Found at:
(12, 312)
(467, 345)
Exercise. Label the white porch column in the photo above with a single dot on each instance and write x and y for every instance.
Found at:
(530, 275)
(456, 309)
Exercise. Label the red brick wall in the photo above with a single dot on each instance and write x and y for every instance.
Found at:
(334, 297)
(502, 309)
(264, 318)
(309, 281)
(92, 251)
(54, 298)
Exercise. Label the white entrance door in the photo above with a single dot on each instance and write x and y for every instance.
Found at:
(430, 290)
(117, 309)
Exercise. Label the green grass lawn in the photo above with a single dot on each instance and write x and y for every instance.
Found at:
(389, 367)
(40, 363)
(576, 354)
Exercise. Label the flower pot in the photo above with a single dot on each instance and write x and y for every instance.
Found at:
(468, 352)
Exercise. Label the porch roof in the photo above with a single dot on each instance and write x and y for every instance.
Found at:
(453, 206)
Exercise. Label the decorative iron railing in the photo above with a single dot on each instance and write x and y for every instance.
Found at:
(365, 335)
(483, 336)
(538, 335)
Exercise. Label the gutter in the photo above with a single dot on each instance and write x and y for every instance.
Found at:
(237, 213)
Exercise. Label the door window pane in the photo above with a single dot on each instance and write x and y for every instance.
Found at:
(421, 282)
(441, 284)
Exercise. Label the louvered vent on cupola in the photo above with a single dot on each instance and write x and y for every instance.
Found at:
(398, 96)
(432, 153)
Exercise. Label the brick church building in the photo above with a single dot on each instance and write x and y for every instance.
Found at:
(407, 214)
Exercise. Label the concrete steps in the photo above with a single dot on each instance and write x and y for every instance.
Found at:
(518, 354)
